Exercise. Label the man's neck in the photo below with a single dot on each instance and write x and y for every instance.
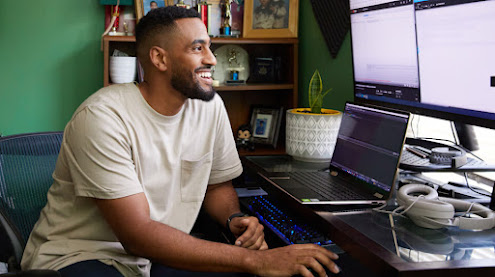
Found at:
(162, 98)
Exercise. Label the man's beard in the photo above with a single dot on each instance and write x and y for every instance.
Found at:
(188, 84)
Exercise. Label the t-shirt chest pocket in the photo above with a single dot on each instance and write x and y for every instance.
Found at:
(194, 177)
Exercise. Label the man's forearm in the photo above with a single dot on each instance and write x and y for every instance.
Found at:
(141, 236)
(177, 249)
(129, 219)
(221, 201)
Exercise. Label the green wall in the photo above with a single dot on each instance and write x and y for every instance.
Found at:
(50, 61)
(313, 54)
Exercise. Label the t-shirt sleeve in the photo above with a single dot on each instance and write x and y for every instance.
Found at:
(226, 163)
(98, 154)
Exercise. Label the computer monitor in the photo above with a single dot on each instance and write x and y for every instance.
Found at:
(435, 58)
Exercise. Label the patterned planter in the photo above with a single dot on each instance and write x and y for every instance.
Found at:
(311, 137)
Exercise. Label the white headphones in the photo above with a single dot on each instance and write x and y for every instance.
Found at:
(430, 211)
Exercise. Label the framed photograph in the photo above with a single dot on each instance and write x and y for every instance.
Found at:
(144, 6)
(270, 18)
(266, 125)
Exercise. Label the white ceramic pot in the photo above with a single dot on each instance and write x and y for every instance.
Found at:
(311, 137)
(122, 69)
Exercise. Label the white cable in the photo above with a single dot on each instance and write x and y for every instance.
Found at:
(379, 210)
(394, 212)
(412, 204)
(394, 235)
(468, 210)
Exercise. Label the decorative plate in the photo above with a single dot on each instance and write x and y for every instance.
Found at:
(231, 57)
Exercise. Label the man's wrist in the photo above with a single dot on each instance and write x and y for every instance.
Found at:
(240, 214)
(252, 261)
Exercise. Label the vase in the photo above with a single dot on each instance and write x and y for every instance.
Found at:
(122, 69)
(311, 137)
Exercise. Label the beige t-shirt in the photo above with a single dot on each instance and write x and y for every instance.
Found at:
(116, 145)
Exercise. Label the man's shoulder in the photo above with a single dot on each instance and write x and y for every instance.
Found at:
(104, 112)
(110, 94)
(114, 97)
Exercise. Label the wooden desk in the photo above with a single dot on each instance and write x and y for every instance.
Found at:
(405, 250)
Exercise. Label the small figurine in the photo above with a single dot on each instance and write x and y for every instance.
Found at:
(233, 57)
(244, 138)
(226, 21)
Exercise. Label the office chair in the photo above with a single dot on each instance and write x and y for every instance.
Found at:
(27, 162)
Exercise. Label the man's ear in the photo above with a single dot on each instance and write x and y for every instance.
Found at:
(159, 58)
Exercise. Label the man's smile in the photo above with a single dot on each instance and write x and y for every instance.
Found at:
(205, 76)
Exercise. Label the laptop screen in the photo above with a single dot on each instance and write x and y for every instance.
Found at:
(369, 144)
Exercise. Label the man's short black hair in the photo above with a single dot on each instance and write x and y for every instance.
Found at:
(157, 21)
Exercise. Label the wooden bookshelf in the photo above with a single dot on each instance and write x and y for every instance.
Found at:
(240, 98)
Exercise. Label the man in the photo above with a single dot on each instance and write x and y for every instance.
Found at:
(279, 14)
(153, 5)
(138, 162)
(263, 17)
(260, 129)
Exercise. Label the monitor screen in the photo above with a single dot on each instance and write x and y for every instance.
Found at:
(435, 58)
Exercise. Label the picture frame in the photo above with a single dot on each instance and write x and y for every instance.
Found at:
(142, 7)
(280, 20)
(265, 124)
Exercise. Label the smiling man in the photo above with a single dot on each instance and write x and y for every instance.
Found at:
(138, 162)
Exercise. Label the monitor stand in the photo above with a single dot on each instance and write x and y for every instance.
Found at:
(466, 136)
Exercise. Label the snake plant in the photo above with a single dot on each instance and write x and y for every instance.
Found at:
(315, 93)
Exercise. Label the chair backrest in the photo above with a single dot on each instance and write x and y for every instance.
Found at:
(27, 162)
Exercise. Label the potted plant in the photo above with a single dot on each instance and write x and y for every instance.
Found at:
(311, 132)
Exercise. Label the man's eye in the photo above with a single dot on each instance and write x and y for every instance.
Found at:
(198, 48)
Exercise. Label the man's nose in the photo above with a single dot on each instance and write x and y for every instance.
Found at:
(210, 57)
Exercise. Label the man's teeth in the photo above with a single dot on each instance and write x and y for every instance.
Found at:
(205, 74)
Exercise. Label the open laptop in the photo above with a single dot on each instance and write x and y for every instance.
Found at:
(364, 164)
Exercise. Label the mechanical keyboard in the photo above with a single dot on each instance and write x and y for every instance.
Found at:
(282, 223)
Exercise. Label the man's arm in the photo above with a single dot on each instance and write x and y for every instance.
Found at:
(129, 218)
(220, 202)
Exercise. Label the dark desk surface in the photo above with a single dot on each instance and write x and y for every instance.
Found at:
(391, 245)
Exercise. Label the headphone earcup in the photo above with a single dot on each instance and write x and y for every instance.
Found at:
(432, 209)
(427, 211)
(431, 214)
(404, 191)
(435, 212)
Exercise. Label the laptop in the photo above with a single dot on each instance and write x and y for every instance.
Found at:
(364, 164)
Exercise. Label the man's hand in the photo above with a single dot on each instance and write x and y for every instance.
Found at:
(296, 259)
(249, 233)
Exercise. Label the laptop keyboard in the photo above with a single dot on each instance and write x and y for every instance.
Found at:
(319, 184)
